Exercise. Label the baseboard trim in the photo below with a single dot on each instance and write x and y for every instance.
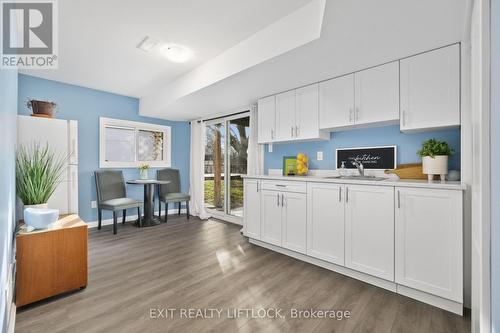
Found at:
(421, 296)
(132, 218)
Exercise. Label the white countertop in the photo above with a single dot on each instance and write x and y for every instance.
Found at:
(421, 183)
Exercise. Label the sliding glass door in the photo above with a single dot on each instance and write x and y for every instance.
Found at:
(226, 154)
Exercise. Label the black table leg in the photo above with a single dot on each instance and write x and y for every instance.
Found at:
(149, 218)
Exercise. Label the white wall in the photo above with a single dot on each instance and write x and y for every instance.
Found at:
(480, 186)
(8, 134)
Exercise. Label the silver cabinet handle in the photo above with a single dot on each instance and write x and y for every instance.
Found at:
(291, 129)
(347, 194)
(399, 200)
(279, 185)
(278, 195)
(350, 116)
(272, 134)
(356, 112)
(257, 186)
(340, 194)
(282, 200)
(296, 131)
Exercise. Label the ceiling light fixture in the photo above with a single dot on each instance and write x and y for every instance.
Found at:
(177, 53)
(147, 44)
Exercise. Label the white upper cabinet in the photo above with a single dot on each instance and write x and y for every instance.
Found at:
(369, 233)
(336, 102)
(251, 197)
(325, 222)
(267, 119)
(285, 116)
(377, 95)
(429, 241)
(307, 113)
(430, 89)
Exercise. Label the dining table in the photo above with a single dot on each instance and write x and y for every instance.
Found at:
(149, 218)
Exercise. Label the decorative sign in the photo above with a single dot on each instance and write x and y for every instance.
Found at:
(379, 158)
(289, 165)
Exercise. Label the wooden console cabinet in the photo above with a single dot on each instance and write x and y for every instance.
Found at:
(51, 262)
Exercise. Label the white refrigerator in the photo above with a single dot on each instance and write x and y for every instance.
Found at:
(62, 137)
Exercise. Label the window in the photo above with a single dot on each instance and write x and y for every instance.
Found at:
(126, 144)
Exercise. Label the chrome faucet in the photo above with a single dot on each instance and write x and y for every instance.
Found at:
(361, 169)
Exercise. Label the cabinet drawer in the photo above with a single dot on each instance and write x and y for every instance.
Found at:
(284, 186)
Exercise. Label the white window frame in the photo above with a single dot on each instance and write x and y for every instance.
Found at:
(136, 126)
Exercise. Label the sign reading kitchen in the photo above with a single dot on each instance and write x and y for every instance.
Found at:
(379, 158)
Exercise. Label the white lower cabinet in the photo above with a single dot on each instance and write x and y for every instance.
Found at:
(294, 221)
(251, 206)
(409, 236)
(369, 233)
(270, 217)
(325, 222)
(429, 241)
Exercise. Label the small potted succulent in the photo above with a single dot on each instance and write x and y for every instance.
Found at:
(143, 171)
(434, 155)
(44, 109)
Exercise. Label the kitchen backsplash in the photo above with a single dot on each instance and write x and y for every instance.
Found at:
(407, 146)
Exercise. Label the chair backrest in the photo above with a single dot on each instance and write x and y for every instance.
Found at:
(109, 184)
(171, 175)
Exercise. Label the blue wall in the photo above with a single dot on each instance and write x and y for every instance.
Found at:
(495, 162)
(407, 144)
(8, 135)
(86, 106)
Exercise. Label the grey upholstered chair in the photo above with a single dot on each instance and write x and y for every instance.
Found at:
(171, 192)
(111, 195)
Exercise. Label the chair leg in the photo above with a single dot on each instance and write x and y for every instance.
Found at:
(179, 208)
(166, 211)
(124, 216)
(187, 209)
(139, 220)
(115, 222)
(159, 209)
(99, 218)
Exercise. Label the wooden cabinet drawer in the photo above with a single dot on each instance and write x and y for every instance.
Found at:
(284, 186)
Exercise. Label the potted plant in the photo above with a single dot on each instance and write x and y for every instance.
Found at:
(38, 171)
(434, 155)
(41, 108)
(143, 171)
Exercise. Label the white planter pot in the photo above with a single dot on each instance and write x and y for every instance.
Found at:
(40, 216)
(143, 174)
(437, 165)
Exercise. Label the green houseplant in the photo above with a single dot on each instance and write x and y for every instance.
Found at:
(434, 155)
(38, 170)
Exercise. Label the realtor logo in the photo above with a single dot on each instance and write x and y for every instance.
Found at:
(29, 34)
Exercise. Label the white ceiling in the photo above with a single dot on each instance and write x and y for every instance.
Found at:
(98, 39)
(356, 34)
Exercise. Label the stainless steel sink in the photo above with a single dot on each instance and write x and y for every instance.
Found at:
(357, 177)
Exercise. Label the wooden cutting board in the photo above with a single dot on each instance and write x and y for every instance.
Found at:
(409, 171)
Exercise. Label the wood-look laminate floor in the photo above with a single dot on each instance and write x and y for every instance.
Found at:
(209, 265)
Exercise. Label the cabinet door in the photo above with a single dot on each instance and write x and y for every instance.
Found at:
(377, 94)
(325, 222)
(251, 220)
(430, 89)
(336, 102)
(270, 217)
(294, 221)
(267, 119)
(307, 112)
(429, 241)
(285, 115)
(369, 235)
